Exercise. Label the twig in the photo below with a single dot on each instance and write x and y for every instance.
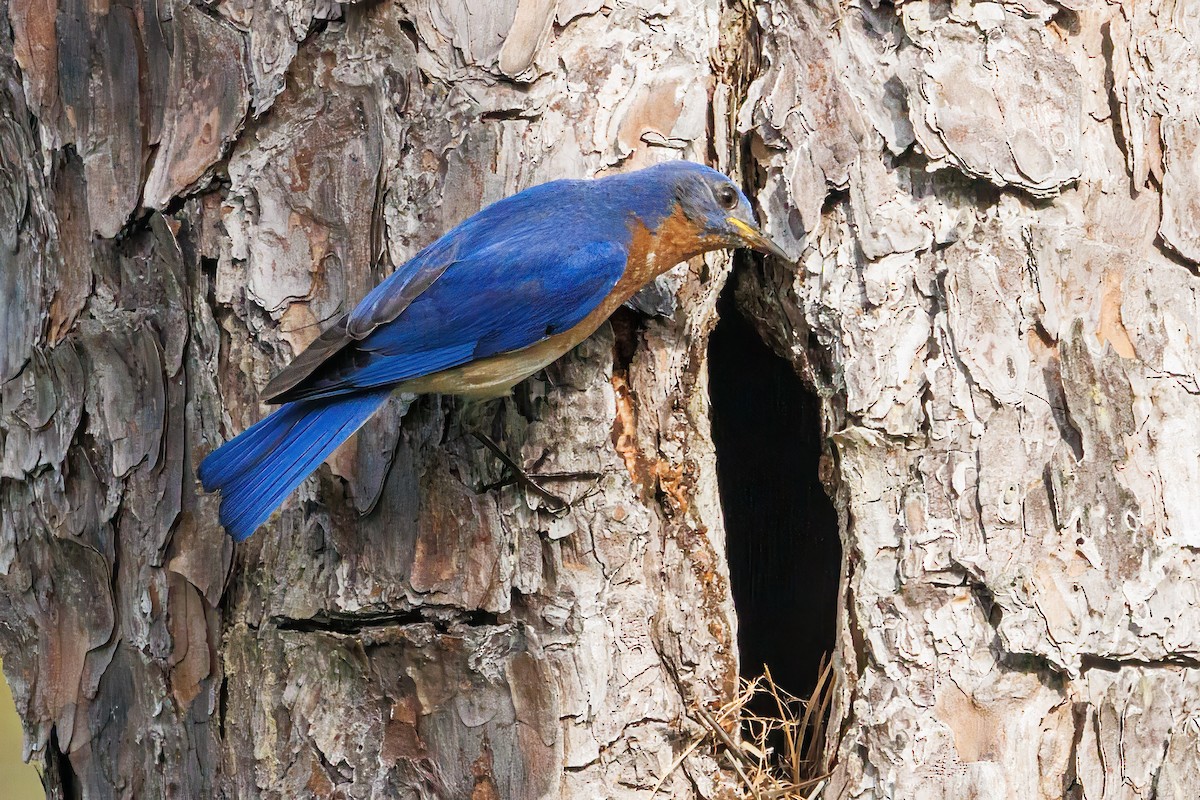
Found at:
(765, 773)
(691, 748)
(737, 766)
(721, 733)
(734, 753)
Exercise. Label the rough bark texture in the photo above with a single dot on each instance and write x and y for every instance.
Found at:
(189, 193)
(997, 302)
(1000, 302)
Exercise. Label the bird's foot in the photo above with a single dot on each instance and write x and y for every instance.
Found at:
(519, 476)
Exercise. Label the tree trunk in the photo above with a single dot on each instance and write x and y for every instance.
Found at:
(191, 193)
(995, 305)
(999, 304)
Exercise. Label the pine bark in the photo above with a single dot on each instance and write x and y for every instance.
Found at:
(191, 193)
(999, 303)
(997, 211)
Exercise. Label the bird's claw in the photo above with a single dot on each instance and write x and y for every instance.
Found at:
(517, 475)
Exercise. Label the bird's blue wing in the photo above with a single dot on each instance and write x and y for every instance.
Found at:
(504, 295)
(381, 305)
(396, 292)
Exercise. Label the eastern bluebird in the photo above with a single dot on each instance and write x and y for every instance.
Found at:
(493, 301)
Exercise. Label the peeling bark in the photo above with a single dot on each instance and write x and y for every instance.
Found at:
(995, 207)
(394, 632)
(1003, 301)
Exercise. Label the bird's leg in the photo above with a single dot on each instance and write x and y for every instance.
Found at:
(519, 475)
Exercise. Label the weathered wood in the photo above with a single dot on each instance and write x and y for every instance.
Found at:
(995, 208)
(1006, 323)
(163, 263)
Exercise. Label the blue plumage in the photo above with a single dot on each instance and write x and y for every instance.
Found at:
(483, 305)
(503, 293)
(259, 468)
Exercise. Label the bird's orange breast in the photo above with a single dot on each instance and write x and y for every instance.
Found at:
(651, 253)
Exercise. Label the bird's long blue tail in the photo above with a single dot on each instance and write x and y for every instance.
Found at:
(257, 469)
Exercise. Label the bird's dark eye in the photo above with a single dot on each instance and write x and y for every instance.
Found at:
(727, 196)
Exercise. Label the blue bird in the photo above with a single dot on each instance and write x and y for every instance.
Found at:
(493, 301)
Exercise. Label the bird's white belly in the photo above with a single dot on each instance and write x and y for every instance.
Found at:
(496, 375)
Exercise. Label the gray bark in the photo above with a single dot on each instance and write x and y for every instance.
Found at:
(997, 211)
(190, 194)
(1004, 295)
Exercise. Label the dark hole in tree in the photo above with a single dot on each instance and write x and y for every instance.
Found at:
(782, 534)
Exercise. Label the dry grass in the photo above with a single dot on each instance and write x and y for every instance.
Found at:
(779, 755)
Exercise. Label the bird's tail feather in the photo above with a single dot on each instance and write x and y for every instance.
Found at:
(257, 469)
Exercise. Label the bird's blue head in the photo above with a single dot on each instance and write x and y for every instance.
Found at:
(716, 206)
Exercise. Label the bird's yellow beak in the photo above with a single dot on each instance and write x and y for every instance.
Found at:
(757, 240)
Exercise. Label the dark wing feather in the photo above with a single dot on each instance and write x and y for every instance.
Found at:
(388, 300)
(327, 345)
(382, 304)
(505, 297)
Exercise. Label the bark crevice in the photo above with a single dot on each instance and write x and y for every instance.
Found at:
(443, 620)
